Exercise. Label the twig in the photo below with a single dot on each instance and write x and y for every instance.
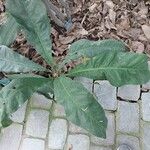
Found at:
(84, 18)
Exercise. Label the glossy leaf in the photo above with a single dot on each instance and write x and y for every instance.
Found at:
(80, 106)
(11, 61)
(8, 31)
(32, 17)
(118, 68)
(15, 94)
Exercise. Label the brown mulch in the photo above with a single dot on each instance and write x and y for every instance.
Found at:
(126, 20)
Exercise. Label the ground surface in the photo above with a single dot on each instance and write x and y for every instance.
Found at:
(43, 126)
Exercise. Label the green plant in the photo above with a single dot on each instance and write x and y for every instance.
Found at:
(99, 60)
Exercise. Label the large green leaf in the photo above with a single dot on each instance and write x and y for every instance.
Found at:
(89, 48)
(4, 81)
(11, 61)
(80, 106)
(45, 90)
(117, 68)
(86, 48)
(32, 16)
(15, 94)
(8, 31)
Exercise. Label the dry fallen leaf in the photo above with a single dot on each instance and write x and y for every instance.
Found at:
(91, 8)
(146, 30)
(110, 4)
(66, 40)
(112, 16)
(138, 46)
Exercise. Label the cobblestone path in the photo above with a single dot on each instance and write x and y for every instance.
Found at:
(41, 125)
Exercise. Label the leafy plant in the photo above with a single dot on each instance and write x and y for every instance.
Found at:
(99, 60)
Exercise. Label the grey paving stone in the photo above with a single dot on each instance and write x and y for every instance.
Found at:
(32, 144)
(76, 129)
(40, 101)
(131, 141)
(129, 92)
(59, 110)
(146, 86)
(146, 136)
(10, 137)
(19, 115)
(94, 147)
(37, 123)
(57, 134)
(110, 133)
(88, 83)
(146, 106)
(106, 94)
(78, 142)
(127, 117)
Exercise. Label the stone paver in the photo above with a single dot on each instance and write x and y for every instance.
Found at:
(10, 138)
(59, 110)
(128, 117)
(146, 86)
(88, 83)
(43, 126)
(146, 106)
(131, 141)
(57, 134)
(110, 134)
(19, 115)
(40, 101)
(106, 94)
(32, 144)
(75, 129)
(37, 123)
(78, 142)
(146, 136)
(93, 147)
(129, 92)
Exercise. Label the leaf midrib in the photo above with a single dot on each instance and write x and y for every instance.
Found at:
(95, 69)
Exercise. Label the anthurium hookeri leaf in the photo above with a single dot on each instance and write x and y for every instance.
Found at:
(11, 61)
(15, 94)
(47, 90)
(44, 90)
(118, 68)
(21, 75)
(31, 15)
(4, 81)
(80, 106)
(89, 48)
(8, 31)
